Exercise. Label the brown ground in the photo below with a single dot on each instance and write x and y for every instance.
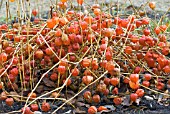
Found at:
(43, 5)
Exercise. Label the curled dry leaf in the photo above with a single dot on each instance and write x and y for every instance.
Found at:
(148, 98)
(166, 96)
(81, 104)
(80, 98)
(127, 101)
(15, 96)
(78, 111)
(40, 89)
(70, 94)
(110, 107)
(37, 112)
(68, 112)
(48, 82)
(137, 101)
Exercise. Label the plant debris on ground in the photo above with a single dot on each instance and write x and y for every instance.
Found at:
(89, 58)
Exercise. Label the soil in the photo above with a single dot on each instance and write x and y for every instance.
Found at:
(161, 5)
(43, 5)
(145, 107)
(155, 104)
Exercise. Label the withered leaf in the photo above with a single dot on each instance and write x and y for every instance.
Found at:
(148, 98)
(111, 107)
(37, 112)
(78, 111)
(70, 94)
(80, 104)
(166, 96)
(80, 98)
(15, 94)
(47, 88)
(87, 105)
(104, 111)
(48, 82)
(137, 101)
(40, 89)
(126, 101)
(68, 112)
(25, 92)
